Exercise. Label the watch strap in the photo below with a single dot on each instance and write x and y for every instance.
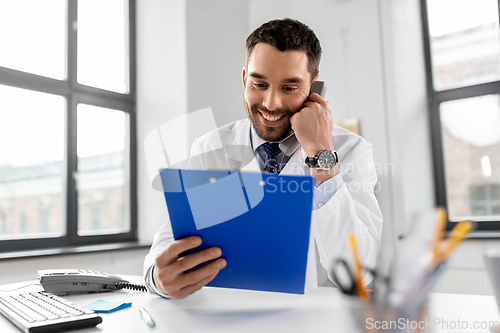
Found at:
(312, 162)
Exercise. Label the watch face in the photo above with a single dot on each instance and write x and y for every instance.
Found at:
(326, 159)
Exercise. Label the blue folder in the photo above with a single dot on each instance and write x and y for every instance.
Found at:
(261, 222)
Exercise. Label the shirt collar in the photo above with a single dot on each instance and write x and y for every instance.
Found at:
(257, 141)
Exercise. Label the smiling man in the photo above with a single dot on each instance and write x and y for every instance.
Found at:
(282, 62)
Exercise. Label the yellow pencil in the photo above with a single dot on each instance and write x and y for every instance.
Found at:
(442, 218)
(456, 236)
(363, 293)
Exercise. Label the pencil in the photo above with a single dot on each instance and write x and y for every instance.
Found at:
(456, 236)
(441, 217)
(363, 293)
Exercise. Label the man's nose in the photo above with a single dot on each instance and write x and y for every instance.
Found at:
(272, 100)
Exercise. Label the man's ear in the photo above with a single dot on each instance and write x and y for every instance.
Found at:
(244, 77)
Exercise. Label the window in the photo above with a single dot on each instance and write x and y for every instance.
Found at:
(485, 200)
(33, 37)
(3, 224)
(44, 221)
(462, 50)
(67, 123)
(22, 223)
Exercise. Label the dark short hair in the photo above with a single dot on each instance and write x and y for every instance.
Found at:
(287, 34)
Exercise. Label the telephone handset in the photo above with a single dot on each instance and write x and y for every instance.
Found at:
(80, 281)
(318, 87)
(289, 145)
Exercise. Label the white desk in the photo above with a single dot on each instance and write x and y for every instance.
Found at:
(226, 310)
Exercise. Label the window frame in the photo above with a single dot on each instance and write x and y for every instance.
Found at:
(76, 93)
(484, 228)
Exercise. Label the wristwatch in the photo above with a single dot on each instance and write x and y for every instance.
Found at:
(325, 160)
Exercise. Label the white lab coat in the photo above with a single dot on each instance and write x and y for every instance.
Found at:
(352, 208)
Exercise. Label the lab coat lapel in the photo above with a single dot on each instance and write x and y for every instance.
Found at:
(296, 164)
(240, 152)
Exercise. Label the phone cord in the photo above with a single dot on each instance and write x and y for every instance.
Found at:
(126, 285)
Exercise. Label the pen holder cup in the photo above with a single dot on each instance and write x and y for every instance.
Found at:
(369, 317)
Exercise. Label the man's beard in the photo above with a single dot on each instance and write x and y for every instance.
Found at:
(268, 133)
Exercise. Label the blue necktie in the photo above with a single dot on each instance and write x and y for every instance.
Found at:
(271, 164)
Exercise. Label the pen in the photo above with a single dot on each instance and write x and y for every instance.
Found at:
(363, 293)
(146, 317)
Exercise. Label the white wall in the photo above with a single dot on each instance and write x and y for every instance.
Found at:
(189, 57)
(162, 92)
(216, 34)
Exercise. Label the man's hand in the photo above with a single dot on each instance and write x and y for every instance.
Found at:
(169, 273)
(313, 127)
